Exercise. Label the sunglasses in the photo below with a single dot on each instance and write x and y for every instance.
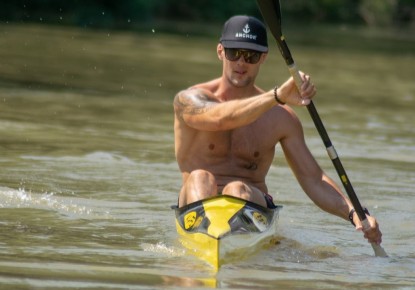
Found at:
(250, 56)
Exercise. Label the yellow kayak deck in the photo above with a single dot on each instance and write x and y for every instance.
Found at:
(222, 226)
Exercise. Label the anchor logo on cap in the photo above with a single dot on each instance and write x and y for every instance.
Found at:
(246, 29)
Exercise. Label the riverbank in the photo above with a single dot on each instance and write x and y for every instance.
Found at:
(69, 58)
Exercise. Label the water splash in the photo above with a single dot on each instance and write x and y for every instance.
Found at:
(162, 248)
(69, 206)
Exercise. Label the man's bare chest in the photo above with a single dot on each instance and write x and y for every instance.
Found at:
(246, 143)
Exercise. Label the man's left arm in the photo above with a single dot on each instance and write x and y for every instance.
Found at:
(320, 188)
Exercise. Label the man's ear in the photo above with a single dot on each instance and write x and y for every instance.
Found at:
(219, 51)
(264, 57)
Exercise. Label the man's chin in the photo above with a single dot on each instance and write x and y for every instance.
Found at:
(239, 83)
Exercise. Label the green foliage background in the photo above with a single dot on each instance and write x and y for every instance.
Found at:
(130, 14)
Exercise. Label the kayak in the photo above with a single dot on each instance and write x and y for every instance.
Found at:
(224, 228)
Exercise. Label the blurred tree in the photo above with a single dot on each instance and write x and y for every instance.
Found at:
(379, 12)
(405, 14)
(209, 10)
(130, 13)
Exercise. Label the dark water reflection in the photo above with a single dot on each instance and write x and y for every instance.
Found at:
(88, 171)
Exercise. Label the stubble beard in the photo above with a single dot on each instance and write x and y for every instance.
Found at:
(240, 83)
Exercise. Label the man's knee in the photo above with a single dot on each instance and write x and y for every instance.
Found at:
(238, 189)
(199, 185)
(242, 190)
(200, 175)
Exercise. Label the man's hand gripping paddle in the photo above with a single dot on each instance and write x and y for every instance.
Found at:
(271, 12)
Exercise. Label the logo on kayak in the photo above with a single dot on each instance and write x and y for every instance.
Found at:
(191, 220)
(259, 220)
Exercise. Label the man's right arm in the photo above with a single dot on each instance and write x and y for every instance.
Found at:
(200, 110)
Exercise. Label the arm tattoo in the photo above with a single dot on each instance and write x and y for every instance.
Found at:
(192, 102)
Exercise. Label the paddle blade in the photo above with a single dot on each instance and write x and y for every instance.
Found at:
(379, 251)
(270, 10)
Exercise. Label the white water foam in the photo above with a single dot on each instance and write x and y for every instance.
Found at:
(20, 198)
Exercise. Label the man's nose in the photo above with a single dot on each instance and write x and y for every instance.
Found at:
(241, 59)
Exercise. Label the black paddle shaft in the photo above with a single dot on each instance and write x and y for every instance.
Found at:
(336, 161)
(271, 12)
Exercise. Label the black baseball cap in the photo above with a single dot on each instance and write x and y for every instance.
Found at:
(245, 32)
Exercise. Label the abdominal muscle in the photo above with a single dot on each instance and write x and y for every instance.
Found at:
(243, 154)
(250, 169)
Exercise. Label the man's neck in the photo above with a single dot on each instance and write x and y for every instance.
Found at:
(227, 91)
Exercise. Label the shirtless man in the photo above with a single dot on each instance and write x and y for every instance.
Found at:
(226, 131)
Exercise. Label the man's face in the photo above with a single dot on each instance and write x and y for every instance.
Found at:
(240, 66)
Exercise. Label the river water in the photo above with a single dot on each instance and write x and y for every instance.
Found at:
(88, 172)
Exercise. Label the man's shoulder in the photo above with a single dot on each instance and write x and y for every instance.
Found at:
(199, 92)
(210, 86)
(284, 113)
(194, 96)
(285, 120)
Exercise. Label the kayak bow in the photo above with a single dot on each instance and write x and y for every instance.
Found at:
(224, 226)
